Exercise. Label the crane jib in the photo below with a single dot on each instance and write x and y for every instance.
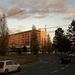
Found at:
(11, 14)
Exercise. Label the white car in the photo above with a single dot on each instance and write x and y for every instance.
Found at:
(9, 66)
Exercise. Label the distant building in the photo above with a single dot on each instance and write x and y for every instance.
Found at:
(23, 38)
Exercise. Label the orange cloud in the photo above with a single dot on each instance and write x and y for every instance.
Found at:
(32, 7)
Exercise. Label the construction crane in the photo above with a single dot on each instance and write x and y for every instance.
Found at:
(52, 27)
(11, 14)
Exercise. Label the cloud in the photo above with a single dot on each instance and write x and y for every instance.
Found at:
(29, 18)
(58, 7)
(11, 31)
(69, 16)
(17, 28)
(64, 10)
(14, 30)
(21, 15)
(3, 9)
(21, 27)
(39, 16)
(32, 7)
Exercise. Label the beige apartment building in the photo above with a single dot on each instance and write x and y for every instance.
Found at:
(23, 38)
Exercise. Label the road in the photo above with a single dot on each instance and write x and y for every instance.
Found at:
(49, 65)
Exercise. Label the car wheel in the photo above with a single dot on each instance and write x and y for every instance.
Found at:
(6, 71)
(19, 69)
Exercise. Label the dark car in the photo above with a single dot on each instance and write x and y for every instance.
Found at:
(65, 59)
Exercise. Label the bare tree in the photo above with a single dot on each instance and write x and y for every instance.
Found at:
(49, 44)
(4, 36)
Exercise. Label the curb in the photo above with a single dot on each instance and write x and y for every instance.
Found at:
(30, 64)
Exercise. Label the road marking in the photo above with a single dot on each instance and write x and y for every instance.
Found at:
(54, 71)
(40, 67)
(62, 68)
(67, 65)
(45, 62)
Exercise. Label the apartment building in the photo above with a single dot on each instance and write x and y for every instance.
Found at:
(23, 38)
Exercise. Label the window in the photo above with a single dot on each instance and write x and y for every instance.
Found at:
(23, 41)
(13, 63)
(22, 35)
(8, 63)
(28, 33)
(28, 43)
(25, 34)
(1, 64)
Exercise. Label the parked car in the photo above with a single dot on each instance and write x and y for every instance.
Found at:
(9, 66)
(65, 59)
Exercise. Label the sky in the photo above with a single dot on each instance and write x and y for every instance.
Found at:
(52, 13)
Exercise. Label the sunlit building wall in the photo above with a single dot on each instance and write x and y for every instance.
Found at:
(23, 38)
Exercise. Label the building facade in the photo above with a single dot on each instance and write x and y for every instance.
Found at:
(23, 38)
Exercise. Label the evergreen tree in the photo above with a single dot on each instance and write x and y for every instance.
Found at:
(59, 33)
(71, 31)
(34, 44)
(61, 41)
(33, 27)
(71, 34)
(65, 44)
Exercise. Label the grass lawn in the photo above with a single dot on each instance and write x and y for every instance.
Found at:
(23, 59)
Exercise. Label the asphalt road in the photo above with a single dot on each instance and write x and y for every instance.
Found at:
(49, 65)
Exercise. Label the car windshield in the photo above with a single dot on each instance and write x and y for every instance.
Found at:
(1, 64)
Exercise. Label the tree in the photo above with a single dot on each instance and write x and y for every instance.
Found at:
(34, 44)
(71, 30)
(19, 51)
(45, 46)
(71, 34)
(42, 46)
(59, 33)
(61, 41)
(65, 44)
(24, 49)
(33, 27)
(13, 48)
(4, 37)
(54, 47)
(49, 44)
